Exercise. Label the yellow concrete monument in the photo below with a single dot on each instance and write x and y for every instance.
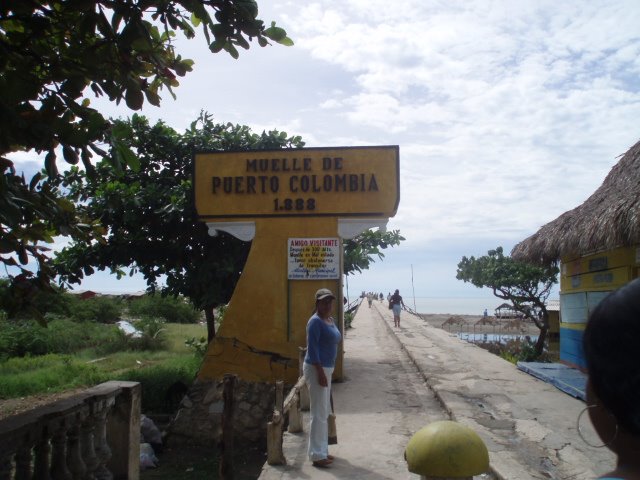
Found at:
(296, 205)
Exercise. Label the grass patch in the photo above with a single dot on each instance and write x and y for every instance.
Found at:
(177, 333)
(155, 370)
(46, 374)
(156, 381)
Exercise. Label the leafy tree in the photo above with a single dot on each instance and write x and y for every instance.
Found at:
(149, 216)
(359, 251)
(526, 286)
(97, 309)
(168, 309)
(55, 302)
(55, 54)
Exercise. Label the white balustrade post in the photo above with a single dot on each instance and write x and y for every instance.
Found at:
(24, 458)
(103, 452)
(41, 460)
(295, 415)
(123, 431)
(59, 470)
(88, 450)
(6, 461)
(75, 463)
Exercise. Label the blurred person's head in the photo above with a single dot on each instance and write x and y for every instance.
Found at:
(611, 345)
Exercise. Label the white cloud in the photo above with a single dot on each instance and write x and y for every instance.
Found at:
(507, 113)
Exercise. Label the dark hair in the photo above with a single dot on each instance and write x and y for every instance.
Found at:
(611, 345)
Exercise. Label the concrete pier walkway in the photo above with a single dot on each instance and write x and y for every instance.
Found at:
(399, 380)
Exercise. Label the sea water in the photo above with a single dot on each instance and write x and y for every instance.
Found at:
(453, 305)
(450, 305)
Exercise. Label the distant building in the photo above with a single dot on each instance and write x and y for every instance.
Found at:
(553, 309)
(505, 311)
(84, 294)
(133, 296)
(598, 247)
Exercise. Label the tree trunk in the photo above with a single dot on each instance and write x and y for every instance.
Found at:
(211, 323)
(542, 336)
(542, 322)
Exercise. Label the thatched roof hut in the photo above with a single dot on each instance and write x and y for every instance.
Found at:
(608, 219)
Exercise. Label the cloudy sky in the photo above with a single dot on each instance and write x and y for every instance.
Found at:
(507, 113)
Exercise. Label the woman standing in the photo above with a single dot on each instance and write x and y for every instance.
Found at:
(322, 347)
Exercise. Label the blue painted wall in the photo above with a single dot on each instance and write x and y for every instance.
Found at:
(571, 347)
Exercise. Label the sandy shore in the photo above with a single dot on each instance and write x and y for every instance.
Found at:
(479, 324)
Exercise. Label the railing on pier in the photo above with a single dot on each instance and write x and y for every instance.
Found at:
(94, 434)
(289, 409)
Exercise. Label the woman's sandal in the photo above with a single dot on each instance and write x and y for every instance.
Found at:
(324, 463)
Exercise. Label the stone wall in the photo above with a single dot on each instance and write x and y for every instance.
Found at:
(198, 421)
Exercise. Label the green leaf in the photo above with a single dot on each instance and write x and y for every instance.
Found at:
(217, 45)
(232, 50)
(130, 158)
(50, 164)
(121, 130)
(134, 97)
(152, 97)
(276, 34)
(286, 41)
(23, 255)
(34, 181)
(70, 155)
(241, 42)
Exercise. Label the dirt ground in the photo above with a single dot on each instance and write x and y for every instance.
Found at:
(200, 463)
(14, 406)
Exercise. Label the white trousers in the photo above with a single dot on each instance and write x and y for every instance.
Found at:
(319, 412)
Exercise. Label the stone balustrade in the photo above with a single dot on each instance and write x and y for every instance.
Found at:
(92, 435)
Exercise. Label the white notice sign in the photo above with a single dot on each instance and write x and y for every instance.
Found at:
(313, 258)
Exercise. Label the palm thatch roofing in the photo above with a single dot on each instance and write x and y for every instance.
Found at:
(608, 219)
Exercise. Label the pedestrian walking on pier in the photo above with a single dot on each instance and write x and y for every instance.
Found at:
(397, 304)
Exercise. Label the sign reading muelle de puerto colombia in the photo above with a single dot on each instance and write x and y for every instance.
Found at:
(341, 181)
(313, 258)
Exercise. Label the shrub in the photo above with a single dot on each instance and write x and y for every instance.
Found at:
(517, 350)
(152, 337)
(28, 337)
(99, 309)
(348, 318)
(118, 341)
(49, 302)
(199, 346)
(169, 309)
(22, 337)
(157, 380)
